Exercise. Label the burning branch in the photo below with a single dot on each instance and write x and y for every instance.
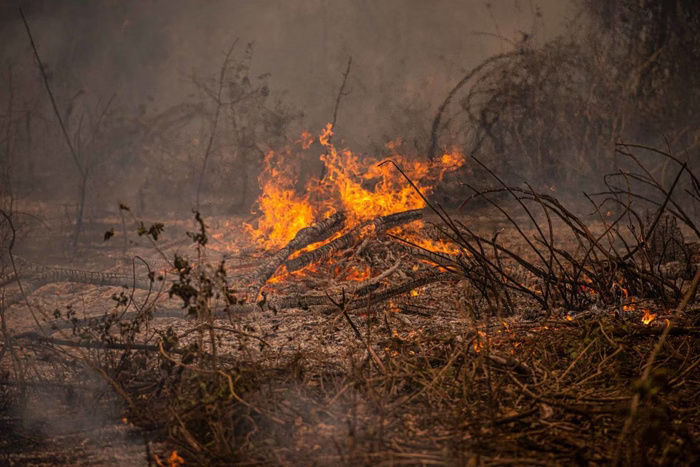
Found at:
(373, 227)
(306, 236)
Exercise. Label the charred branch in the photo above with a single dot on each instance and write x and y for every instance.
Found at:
(372, 227)
(306, 236)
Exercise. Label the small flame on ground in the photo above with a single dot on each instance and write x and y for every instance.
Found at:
(648, 316)
(409, 335)
(173, 461)
(358, 274)
(478, 342)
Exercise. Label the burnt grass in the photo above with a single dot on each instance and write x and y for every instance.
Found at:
(530, 348)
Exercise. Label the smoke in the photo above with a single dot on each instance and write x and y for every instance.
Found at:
(150, 65)
(145, 51)
(74, 421)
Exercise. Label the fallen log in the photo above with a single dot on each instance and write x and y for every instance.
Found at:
(307, 301)
(34, 336)
(39, 275)
(371, 227)
(91, 321)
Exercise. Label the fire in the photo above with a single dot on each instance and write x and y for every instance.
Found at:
(478, 344)
(436, 246)
(648, 316)
(173, 461)
(409, 335)
(348, 180)
(284, 212)
(364, 187)
(625, 296)
(353, 274)
(306, 140)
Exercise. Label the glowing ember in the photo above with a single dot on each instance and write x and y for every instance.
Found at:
(648, 316)
(173, 461)
(359, 273)
(478, 344)
(409, 335)
(624, 292)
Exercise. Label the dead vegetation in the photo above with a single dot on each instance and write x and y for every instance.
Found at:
(520, 328)
(562, 340)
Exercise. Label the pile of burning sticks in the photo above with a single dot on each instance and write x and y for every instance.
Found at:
(359, 238)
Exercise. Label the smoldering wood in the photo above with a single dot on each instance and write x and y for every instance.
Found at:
(306, 236)
(372, 227)
(39, 275)
(34, 276)
(276, 304)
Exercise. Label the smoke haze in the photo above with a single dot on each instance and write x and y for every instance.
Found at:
(146, 52)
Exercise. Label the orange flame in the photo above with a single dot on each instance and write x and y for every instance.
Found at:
(353, 274)
(306, 140)
(284, 213)
(479, 343)
(648, 316)
(435, 246)
(173, 461)
(363, 187)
